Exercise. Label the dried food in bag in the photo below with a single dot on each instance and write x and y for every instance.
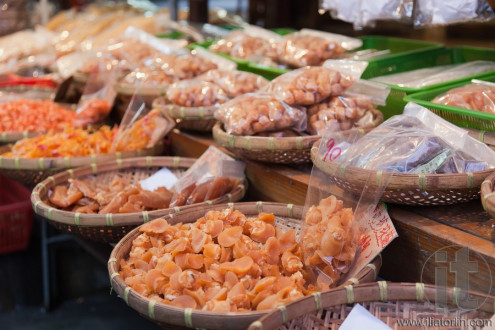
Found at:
(241, 45)
(147, 77)
(196, 93)
(419, 141)
(185, 66)
(439, 74)
(235, 83)
(259, 112)
(472, 96)
(300, 50)
(307, 86)
(340, 113)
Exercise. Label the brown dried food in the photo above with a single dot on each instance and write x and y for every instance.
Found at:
(235, 83)
(474, 97)
(183, 66)
(258, 112)
(196, 93)
(307, 86)
(302, 50)
(241, 45)
(340, 113)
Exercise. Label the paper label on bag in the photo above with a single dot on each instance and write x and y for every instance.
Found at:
(376, 232)
(163, 178)
(360, 316)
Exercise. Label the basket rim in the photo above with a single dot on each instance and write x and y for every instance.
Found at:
(262, 143)
(115, 219)
(400, 180)
(51, 163)
(367, 292)
(249, 208)
(186, 113)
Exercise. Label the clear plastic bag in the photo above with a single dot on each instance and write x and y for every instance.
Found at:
(430, 76)
(196, 93)
(97, 99)
(438, 12)
(307, 86)
(213, 175)
(472, 96)
(239, 44)
(341, 113)
(235, 83)
(148, 78)
(141, 127)
(342, 231)
(259, 112)
(419, 141)
(183, 65)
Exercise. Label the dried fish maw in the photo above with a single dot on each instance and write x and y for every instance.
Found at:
(213, 227)
(238, 296)
(157, 226)
(169, 268)
(199, 193)
(260, 231)
(118, 201)
(229, 236)
(177, 245)
(154, 280)
(87, 189)
(154, 200)
(231, 279)
(184, 301)
(270, 270)
(180, 198)
(238, 266)
(62, 197)
(198, 295)
(265, 283)
(198, 240)
(290, 262)
(259, 297)
(219, 187)
(267, 217)
(217, 306)
(212, 250)
(288, 240)
(88, 209)
(131, 208)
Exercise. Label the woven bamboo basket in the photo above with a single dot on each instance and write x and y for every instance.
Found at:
(390, 302)
(31, 171)
(188, 118)
(406, 188)
(112, 227)
(279, 150)
(172, 317)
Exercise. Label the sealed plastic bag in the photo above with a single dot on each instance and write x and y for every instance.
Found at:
(419, 141)
(235, 83)
(213, 175)
(239, 44)
(343, 229)
(308, 85)
(439, 74)
(259, 112)
(183, 66)
(441, 12)
(149, 78)
(472, 96)
(141, 127)
(196, 93)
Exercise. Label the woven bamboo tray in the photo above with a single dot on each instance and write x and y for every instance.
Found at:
(406, 188)
(390, 302)
(188, 118)
(279, 150)
(32, 171)
(112, 227)
(172, 317)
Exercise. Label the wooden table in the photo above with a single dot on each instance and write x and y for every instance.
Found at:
(422, 230)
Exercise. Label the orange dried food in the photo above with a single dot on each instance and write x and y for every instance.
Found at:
(34, 116)
(226, 262)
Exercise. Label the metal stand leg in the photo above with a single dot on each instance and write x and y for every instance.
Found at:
(45, 266)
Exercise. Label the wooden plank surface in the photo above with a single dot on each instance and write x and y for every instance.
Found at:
(422, 230)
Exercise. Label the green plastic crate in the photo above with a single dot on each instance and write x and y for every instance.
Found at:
(395, 101)
(461, 117)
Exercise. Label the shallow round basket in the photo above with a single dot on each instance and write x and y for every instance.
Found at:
(393, 303)
(125, 94)
(31, 171)
(170, 317)
(110, 228)
(487, 195)
(199, 119)
(279, 150)
(406, 188)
